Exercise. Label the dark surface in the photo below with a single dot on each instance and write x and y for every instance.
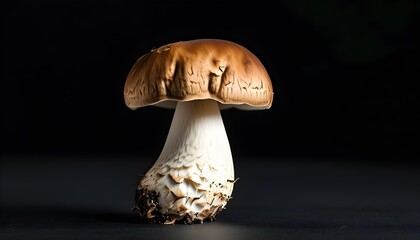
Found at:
(89, 197)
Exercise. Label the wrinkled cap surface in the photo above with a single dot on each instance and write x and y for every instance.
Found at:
(199, 69)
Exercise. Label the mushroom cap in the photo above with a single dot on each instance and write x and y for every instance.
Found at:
(199, 69)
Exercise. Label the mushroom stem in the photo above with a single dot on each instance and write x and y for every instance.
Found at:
(193, 178)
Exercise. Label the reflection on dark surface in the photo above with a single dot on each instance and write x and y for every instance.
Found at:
(87, 197)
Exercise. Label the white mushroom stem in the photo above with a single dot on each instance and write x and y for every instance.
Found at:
(194, 174)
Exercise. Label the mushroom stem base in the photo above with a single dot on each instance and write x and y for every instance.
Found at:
(147, 206)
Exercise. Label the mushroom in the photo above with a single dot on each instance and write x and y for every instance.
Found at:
(193, 178)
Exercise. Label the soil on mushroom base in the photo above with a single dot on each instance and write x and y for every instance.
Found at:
(147, 206)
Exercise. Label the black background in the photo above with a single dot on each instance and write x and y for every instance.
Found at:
(332, 158)
(343, 75)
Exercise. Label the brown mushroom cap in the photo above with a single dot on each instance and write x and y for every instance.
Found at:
(199, 69)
